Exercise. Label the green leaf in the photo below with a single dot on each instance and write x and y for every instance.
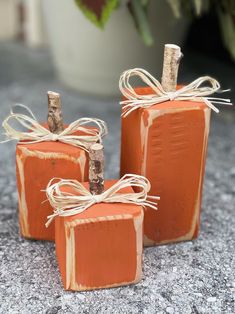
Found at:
(139, 13)
(228, 31)
(176, 7)
(198, 6)
(97, 11)
(189, 8)
(145, 3)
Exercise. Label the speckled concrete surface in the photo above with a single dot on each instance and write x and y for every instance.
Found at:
(193, 277)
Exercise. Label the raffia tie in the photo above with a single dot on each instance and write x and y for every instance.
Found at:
(37, 133)
(67, 203)
(194, 91)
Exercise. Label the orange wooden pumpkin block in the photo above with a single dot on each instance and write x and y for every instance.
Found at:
(36, 164)
(100, 247)
(167, 143)
(46, 151)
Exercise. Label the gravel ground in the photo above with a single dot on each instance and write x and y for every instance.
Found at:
(192, 277)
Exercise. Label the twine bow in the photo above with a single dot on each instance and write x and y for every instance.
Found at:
(193, 92)
(67, 203)
(37, 133)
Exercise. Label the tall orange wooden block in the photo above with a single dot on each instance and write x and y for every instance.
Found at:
(36, 164)
(167, 143)
(100, 247)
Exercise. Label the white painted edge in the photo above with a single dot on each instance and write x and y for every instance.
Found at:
(23, 209)
(138, 224)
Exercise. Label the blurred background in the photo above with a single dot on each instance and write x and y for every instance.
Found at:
(80, 47)
(92, 42)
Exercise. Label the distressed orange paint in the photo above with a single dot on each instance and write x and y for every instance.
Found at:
(101, 247)
(36, 164)
(167, 143)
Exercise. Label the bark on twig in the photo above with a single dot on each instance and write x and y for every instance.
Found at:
(96, 168)
(54, 118)
(172, 57)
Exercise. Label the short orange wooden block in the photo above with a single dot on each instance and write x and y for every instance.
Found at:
(167, 143)
(36, 164)
(100, 247)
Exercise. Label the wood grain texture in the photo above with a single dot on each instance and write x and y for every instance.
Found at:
(172, 57)
(54, 119)
(170, 150)
(96, 168)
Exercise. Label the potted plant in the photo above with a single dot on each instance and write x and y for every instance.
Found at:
(91, 58)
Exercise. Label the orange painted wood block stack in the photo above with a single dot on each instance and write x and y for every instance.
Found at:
(100, 227)
(98, 234)
(167, 143)
(39, 159)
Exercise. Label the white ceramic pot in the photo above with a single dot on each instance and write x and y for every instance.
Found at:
(34, 24)
(9, 19)
(91, 60)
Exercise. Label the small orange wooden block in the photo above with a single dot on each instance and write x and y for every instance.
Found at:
(100, 247)
(36, 164)
(167, 143)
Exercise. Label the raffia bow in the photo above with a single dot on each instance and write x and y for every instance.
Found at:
(37, 133)
(69, 204)
(192, 92)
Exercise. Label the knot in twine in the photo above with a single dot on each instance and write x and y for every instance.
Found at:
(70, 197)
(37, 133)
(194, 91)
(54, 137)
(97, 198)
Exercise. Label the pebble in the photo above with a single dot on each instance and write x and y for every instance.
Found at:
(211, 299)
(232, 171)
(170, 310)
(226, 197)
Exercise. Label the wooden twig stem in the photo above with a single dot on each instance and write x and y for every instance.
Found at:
(172, 57)
(96, 168)
(54, 118)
